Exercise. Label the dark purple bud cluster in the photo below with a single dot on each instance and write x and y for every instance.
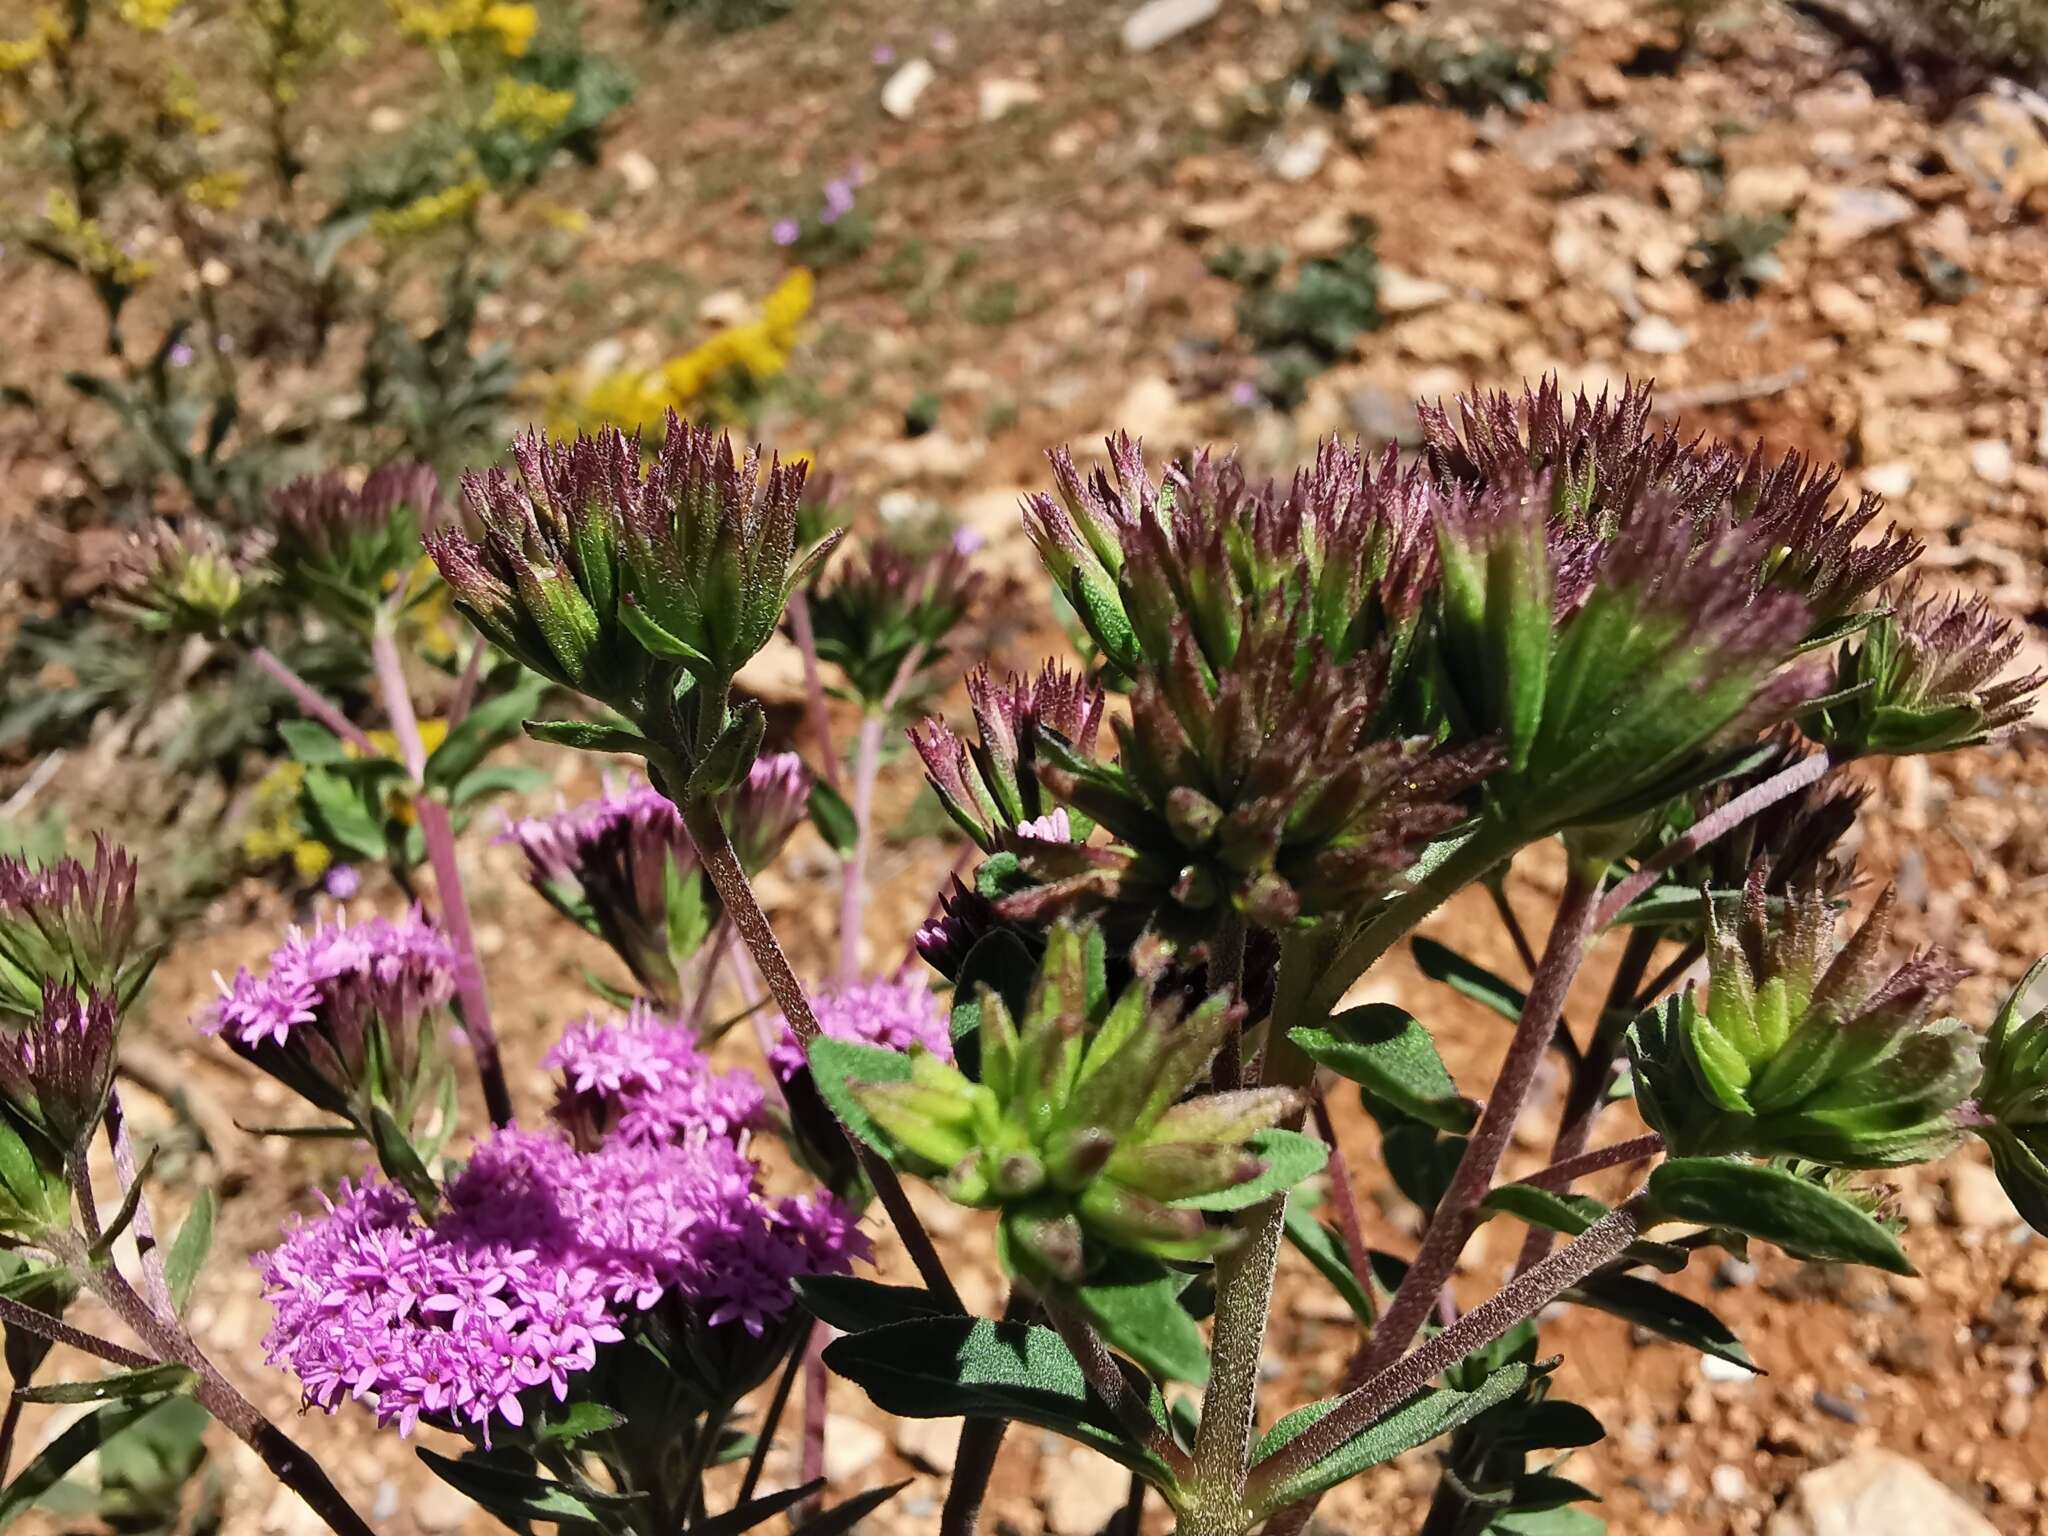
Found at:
(345, 549)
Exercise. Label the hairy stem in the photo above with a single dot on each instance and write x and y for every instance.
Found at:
(1345, 1198)
(853, 873)
(974, 1463)
(1108, 1381)
(1522, 1298)
(1564, 1173)
(1451, 1225)
(437, 831)
(1716, 823)
(16, 1314)
(309, 699)
(730, 881)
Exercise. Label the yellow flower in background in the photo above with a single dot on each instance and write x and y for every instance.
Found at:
(179, 102)
(748, 354)
(571, 221)
(19, 53)
(149, 15)
(515, 26)
(217, 189)
(528, 108)
(436, 210)
(87, 245)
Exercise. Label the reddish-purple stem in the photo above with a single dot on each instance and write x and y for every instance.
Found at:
(814, 685)
(1714, 824)
(437, 831)
(867, 764)
(465, 686)
(817, 1381)
(1345, 1198)
(1561, 1175)
(309, 699)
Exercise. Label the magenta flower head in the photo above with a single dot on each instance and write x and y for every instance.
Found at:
(645, 587)
(623, 868)
(70, 926)
(55, 1075)
(898, 1013)
(344, 550)
(539, 1257)
(886, 621)
(643, 1080)
(990, 787)
(1924, 677)
(347, 1016)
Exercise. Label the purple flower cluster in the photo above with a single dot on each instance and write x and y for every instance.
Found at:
(898, 1013)
(336, 978)
(563, 849)
(642, 1080)
(540, 1255)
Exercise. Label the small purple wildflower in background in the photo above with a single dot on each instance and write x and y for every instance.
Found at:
(335, 975)
(641, 1079)
(838, 200)
(181, 355)
(1244, 394)
(897, 1013)
(342, 882)
(884, 55)
(785, 232)
(943, 41)
(540, 1255)
(968, 541)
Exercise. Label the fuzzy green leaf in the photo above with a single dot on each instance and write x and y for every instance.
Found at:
(1289, 1156)
(1468, 978)
(836, 1065)
(1139, 1313)
(1383, 1048)
(1678, 1318)
(121, 1387)
(588, 736)
(842, 1518)
(189, 1249)
(855, 1305)
(1777, 1206)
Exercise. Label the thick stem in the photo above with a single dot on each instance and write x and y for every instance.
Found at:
(1230, 1406)
(17, 1315)
(974, 1463)
(1452, 1223)
(437, 831)
(308, 698)
(814, 685)
(287, 1462)
(1110, 1384)
(1564, 1173)
(853, 874)
(730, 881)
(1226, 974)
(1522, 1298)
(1714, 824)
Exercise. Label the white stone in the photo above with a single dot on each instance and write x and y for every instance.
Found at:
(1849, 214)
(1977, 1201)
(1714, 1368)
(1000, 97)
(1763, 189)
(1081, 1492)
(851, 1447)
(1893, 478)
(1658, 336)
(1729, 1484)
(901, 90)
(1160, 21)
(1991, 461)
(638, 173)
(1844, 309)
(1403, 293)
(1875, 1493)
(931, 1443)
(1300, 156)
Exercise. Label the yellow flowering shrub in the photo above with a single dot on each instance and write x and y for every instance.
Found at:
(435, 210)
(508, 27)
(700, 381)
(18, 54)
(220, 190)
(528, 108)
(149, 15)
(86, 244)
(277, 827)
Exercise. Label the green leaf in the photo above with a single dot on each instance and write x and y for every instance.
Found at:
(311, 743)
(1467, 978)
(189, 1249)
(970, 1367)
(1422, 1418)
(844, 1517)
(657, 640)
(756, 1511)
(397, 1156)
(1550, 1425)
(724, 766)
(514, 1495)
(1383, 1048)
(578, 1421)
(1324, 1248)
(837, 1064)
(71, 1447)
(1776, 1205)
(1648, 1305)
(122, 1386)
(1548, 1522)
(1139, 1312)
(1569, 1214)
(124, 1213)
(588, 736)
(1289, 1156)
(497, 779)
(483, 730)
(833, 817)
(854, 1305)
(1002, 962)
(342, 814)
